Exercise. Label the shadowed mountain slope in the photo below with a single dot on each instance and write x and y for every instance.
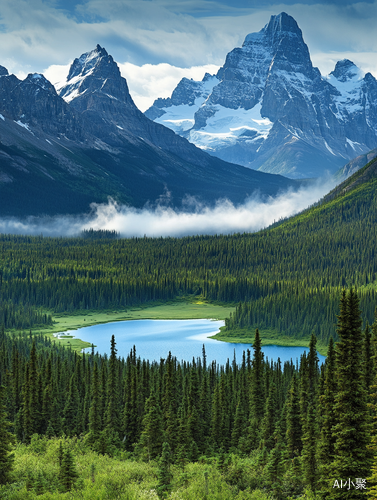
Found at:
(61, 151)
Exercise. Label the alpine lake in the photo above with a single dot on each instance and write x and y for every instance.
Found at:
(184, 338)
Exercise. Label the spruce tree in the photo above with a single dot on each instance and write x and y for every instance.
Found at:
(110, 435)
(309, 419)
(164, 475)
(112, 415)
(239, 425)
(369, 358)
(269, 419)
(257, 393)
(151, 438)
(68, 474)
(71, 408)
(294, 425)
(6, 443)
(326, 448)
(94, 411)
(31, 408)
(130, 412)
(352, 429)
(274, 469)
(183, 439)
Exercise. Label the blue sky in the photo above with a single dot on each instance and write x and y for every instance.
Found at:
(156, 42)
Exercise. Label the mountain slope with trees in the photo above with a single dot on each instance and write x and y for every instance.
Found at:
(286, 279)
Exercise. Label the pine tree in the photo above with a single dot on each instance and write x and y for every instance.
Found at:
(6, 442)
(257, 393)
(164, 475)
(68, 474)
(151, 438)
(352, 429)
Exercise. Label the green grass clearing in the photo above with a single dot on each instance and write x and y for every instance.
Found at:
(268, 337)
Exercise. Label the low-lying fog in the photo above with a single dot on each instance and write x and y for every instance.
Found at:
(161, 220)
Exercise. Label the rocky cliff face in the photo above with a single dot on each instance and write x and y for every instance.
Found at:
(34, 102)
(96, 89)
(269, 109)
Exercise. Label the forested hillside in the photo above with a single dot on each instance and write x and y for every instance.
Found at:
(287, 278)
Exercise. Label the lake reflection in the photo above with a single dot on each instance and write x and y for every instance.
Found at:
(184, 338)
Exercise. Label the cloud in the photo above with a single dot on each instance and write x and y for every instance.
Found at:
(150, 81)
(57, 73)
(162, 220)
(34, 34)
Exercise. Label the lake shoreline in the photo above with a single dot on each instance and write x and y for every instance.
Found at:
(178, 310)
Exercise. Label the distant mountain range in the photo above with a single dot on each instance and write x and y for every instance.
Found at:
(269, 109)
(61, 151)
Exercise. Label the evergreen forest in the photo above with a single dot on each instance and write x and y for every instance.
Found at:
(190, 429)
(286, 279)
(95, 426)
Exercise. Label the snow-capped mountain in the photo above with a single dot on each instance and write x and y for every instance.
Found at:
(269, 109)
(61, 151)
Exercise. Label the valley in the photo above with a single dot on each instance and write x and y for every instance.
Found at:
(144, 227)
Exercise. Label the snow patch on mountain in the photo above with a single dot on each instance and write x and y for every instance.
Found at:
(227, 125)
(348, 80)
(80, 70)
(24, 125)
(178, 115)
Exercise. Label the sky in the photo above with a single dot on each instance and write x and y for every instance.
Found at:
(157, 42)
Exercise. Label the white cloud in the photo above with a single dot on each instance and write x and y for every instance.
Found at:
(150, 81)
(57, 73)
(224, 218)
(36, 35)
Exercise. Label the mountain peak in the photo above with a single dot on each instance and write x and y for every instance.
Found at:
(94, 71)
(86, 62)
(282, 23)
(345, 70)
(40, 81)
(277, 27)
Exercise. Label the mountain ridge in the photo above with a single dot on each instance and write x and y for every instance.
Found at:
(269, 109)
(59, 156)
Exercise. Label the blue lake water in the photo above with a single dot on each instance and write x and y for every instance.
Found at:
(184, 338)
